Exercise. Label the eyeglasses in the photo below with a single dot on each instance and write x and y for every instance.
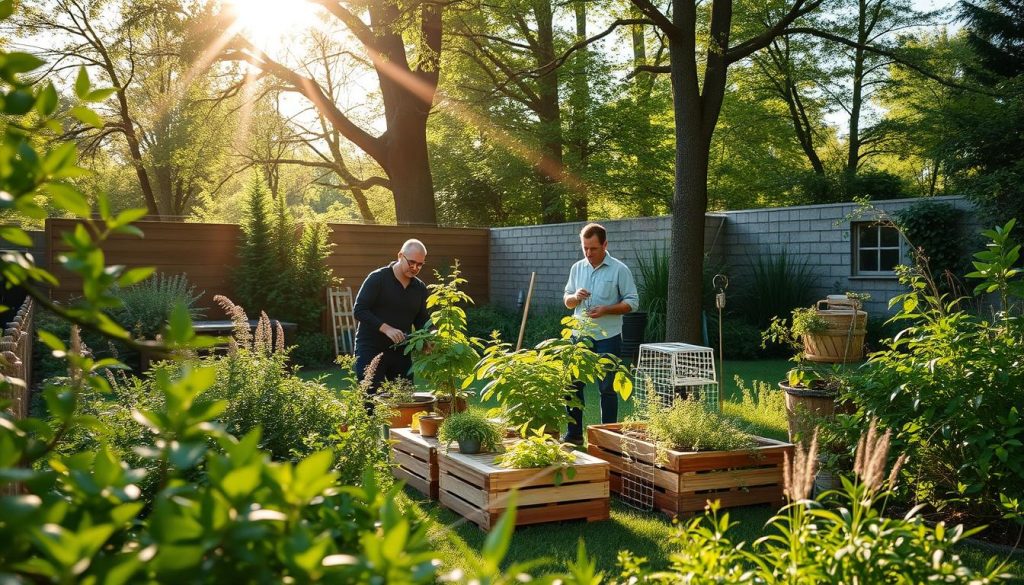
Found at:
(412, 263)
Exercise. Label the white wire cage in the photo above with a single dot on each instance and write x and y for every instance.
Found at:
(676, 370)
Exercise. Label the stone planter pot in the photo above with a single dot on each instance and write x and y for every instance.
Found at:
(469, 446)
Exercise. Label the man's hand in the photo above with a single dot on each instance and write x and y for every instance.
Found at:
(395, 335)
(582, 295)
(598, 311)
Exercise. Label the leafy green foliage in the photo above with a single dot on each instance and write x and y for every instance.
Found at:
(397, 391)
(146, 307)
(532, 384)
(997, 266)
(543, 323)
(951, 386)
(444, 353)
(540, 450)
(689, 425)
(312, 350)
(934, 229)
(473, 426)
(653, 289)
(762, 408)
(271, 275)
(779, 284)
(842, 537)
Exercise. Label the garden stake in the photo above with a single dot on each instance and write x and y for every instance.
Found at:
(526, 311)
(720, 304)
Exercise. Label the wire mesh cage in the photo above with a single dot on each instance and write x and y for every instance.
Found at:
(672, 370)
(637, 489)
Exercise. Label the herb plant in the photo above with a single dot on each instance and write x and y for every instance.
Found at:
(539, 450)
(473, 426)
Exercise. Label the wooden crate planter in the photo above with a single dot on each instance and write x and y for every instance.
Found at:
(687, 480)
(477, 489)
(415, 459)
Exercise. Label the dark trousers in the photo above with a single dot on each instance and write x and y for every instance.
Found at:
(609, 399)
(393, 364)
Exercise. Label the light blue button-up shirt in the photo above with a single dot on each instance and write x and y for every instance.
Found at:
(610, 283)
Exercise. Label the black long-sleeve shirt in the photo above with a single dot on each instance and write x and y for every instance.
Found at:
(383, 299)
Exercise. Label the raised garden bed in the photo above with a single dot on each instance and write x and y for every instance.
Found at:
(477, 489)
(687, 480)
(415, 457)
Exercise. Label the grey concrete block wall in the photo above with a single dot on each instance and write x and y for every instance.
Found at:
(557, 247)
(821, 234)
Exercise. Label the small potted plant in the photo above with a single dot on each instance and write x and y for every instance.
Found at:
(443, 354)
(401, 397)
(537, 451)
(533, 385)
(429, 424)
(472, 431)
(809, 389)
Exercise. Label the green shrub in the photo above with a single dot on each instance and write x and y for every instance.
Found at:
(778, 284)
(952, 389)
(689, 425)
(652, 285)
(543, 323)
(146, 307)
(472, 426)
(312, 350)
(934, 229)
(762, 408)
(742, 340)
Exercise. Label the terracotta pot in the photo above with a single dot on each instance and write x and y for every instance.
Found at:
(422, 402)
(429, 424)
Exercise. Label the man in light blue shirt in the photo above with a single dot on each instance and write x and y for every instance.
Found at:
(602, 288)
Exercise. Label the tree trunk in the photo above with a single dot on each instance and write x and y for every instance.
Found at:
(550, 168)
(408, 167)
(580, 101)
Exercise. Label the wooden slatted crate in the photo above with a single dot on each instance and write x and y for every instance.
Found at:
(687, 480)
(478, 489)
(415, 459)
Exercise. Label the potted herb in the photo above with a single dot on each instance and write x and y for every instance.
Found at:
(472, 431)
(443, 353)
(537, 451)
(809, 389)
(401, 397)
(533, 385)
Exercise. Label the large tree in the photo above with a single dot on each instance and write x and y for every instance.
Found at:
(402, 42)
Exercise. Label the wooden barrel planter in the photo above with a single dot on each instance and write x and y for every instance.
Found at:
(843, 340)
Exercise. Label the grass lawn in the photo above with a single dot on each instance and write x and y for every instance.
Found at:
(646, 534)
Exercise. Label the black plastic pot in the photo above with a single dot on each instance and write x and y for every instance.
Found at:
(633, 326)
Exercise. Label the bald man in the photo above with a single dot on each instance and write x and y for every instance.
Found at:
(390, 303)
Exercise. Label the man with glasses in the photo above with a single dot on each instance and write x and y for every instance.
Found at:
(390, 302)
(602, 289)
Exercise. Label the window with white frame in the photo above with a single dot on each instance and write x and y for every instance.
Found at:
(877, 249)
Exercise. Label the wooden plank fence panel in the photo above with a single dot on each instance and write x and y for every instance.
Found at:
(207, 254)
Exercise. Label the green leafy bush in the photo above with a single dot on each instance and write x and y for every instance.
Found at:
(742, 341)
(951, 386)
(146, 307)
(688, 425)
(934, 229)
(778, 284)
(532, 384)
(472, 426)
(543, 323)
(537, 450)
(312, 350)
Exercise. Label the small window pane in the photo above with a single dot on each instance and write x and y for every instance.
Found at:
(890, 237)
(868, 260)
(890, 258)
(868, 236)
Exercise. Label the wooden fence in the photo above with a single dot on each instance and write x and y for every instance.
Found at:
(16, 359)
(207, 254)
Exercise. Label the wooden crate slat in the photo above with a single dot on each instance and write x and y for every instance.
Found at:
(476, 482)
(414, 443)
(591, 511)
(693, 482)
(414, 465)
(467, 492)
(661, 477)
(550, 495)
(467, 511)
(421, 485)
